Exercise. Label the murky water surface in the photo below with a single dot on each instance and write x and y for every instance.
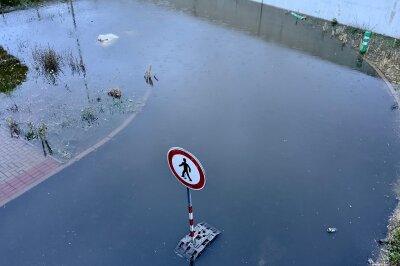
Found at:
(74, 104)
(292, 140)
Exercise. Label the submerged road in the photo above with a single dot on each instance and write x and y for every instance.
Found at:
(291, 145)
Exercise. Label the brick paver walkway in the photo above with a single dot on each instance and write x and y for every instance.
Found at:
(22, 166)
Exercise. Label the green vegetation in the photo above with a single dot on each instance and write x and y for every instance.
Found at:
(334, 22)
(12, 72)
(13, 3)
(31, 133)
(89, 115)
(394, 248)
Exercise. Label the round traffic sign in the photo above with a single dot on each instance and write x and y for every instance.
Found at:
(186, 168)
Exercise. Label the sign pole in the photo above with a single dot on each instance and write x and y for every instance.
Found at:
(191, 220)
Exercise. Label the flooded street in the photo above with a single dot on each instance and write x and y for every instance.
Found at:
(293, 135)
(73, 103)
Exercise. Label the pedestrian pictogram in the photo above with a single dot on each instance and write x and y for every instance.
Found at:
(186, 167)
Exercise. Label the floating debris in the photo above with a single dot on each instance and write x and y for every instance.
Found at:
(204, 235)
(107, 39)
(331, 230)
(115, 93)
(394, 106)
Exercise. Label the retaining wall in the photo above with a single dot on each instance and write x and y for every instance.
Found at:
(382, 16)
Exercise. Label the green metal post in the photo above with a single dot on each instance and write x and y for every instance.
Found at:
(364, 42)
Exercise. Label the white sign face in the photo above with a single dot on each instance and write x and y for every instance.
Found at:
(186, 168)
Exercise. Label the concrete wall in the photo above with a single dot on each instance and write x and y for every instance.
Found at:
(382, 16)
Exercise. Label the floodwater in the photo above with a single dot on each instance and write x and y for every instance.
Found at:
(74, 104)
(292, 143)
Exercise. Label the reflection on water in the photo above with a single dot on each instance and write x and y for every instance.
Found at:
(292, 144)
(273, 24)
(57, 92)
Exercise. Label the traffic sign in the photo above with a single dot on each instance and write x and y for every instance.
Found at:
(186, 168)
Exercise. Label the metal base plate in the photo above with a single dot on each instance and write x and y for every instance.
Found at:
(203, 235)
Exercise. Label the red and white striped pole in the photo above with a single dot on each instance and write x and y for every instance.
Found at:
(191, 220)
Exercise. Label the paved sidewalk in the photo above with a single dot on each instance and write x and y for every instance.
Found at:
(22, 166)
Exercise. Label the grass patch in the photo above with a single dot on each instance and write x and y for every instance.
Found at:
(17, 2)
(12, 72)
(4, 4)
(50, 63)
(394, 248)
(47, 60)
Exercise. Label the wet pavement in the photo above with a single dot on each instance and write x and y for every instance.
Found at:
(292, 143)
(22, 166)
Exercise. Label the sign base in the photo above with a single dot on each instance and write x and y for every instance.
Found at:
(204, 234)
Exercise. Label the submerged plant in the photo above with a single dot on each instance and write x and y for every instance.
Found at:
(42, 134)
(47, 61)
(76, 65)
(14, 128)
(147, 76)
(89, 115)
(31, 133)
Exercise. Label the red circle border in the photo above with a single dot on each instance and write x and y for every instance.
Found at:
(174, 151)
